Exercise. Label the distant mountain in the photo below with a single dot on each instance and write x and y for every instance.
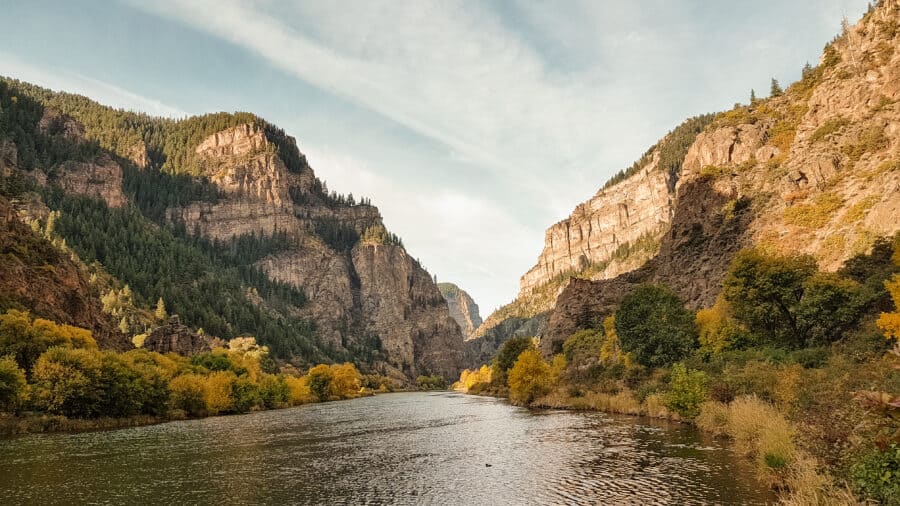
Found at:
(462, 307)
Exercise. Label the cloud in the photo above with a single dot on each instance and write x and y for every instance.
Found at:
(71, 82)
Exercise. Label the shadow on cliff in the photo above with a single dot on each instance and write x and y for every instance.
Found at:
(708, 228)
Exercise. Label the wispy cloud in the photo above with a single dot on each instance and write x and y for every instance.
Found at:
(72, 82)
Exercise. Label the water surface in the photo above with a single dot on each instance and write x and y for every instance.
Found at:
(410, 448)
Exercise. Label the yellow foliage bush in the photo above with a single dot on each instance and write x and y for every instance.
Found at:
(298, 390)
(718, 331)
(188, 393)
(217, 391)
(529, 378)
(468, 379)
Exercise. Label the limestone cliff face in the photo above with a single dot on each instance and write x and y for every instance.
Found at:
(354, 294)
(641, 206)
(813, 171)
(462, 307)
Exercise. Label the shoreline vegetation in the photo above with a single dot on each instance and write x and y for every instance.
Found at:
(800, 369)
(54, 378)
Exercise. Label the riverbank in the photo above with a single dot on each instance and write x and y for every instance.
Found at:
(43, 423)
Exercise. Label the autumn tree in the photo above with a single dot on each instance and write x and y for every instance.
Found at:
(529, 378)
(12, 384)
(890, 322)
(160, 313)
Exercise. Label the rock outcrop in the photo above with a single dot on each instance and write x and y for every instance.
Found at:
(463, 308)
(639, 207)
(173, 337)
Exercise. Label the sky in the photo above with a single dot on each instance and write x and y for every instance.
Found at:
(472, 125)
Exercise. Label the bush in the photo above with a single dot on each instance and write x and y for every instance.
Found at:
(26, 338)
(67, 382)
(319, 382)
(188, 393)
(529, 378)
(718, 330)
(687, 390)
(431, 382)
(877, 475)
(654, 326)
(217, 389)
(12, 384)
(583, 347)
(246, 395)
(273, 391)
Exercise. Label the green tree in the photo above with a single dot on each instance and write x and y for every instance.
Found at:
(752, 96)
(787, 302)
(12, 384)
(766, 291)
(687, 391)
(507, 355)
(654, 326)
(775, 88)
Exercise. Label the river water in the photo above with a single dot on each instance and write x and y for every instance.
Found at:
(409, 448)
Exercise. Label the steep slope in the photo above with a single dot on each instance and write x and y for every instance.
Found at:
(463, 308)
(815, 170)
(39, 277)
(234, 191)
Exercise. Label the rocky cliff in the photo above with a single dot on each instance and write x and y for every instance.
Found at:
(815, 170)
(371, 294)
(463, 308)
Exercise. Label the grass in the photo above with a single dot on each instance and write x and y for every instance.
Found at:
(816, 214)
(831, 126)
(870, 140)
(857, 211)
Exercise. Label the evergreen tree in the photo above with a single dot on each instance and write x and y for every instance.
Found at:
(775, 89)
(752, 96)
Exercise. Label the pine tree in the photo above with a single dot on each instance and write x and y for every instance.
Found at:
(752, 96)
(160, 313)
(775, 90)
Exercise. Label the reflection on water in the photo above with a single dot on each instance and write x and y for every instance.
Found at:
(412, 448)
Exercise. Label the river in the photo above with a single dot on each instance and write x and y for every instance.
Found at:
(406, 448)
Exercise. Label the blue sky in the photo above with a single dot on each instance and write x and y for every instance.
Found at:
(473, 126)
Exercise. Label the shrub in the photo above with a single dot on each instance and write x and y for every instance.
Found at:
(246, 395)
(431, 382)
(67, 382)
(815, 215)
(829, 127)
(345, 380)
(718, 330)
(529, 378)
(12, 384)
(319, 380)
(188, 393)
(298, 390)
(687, 390)
(877, 474)
(26, 338)
(217, 389)
(654, 326)
(273, 391)
(468, 379)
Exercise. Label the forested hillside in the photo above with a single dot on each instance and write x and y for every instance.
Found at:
(220, 218)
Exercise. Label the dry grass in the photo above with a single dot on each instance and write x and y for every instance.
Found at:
(622, 402)
(816, 214)
(829, 127)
